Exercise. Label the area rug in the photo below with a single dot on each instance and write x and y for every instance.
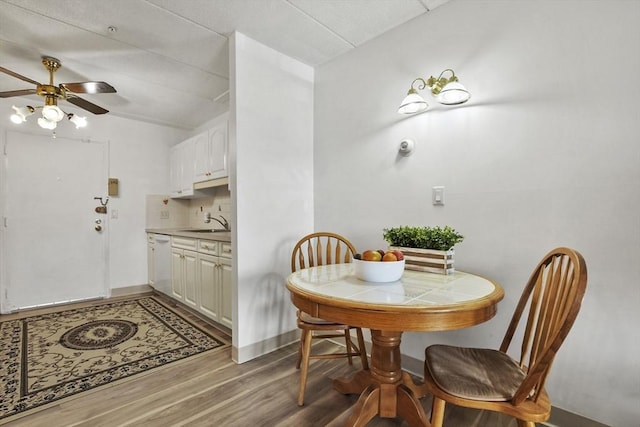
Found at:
(49, 357)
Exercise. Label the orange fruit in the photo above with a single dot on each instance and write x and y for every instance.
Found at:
(389, 256)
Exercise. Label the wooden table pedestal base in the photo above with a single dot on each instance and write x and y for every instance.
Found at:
(384, 390)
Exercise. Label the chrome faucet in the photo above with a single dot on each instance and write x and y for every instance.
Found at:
(225, 224)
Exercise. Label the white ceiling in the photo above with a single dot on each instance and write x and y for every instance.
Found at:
(168, 59)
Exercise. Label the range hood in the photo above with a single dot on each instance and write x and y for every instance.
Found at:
(212, 183)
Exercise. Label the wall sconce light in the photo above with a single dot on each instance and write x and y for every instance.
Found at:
(51, 115)
(447, 91)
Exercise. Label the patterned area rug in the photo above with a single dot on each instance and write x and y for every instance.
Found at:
(52, 356)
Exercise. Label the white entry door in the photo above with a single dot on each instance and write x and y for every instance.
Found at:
(52, 251)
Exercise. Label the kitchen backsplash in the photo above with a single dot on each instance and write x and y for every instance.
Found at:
(165, 212)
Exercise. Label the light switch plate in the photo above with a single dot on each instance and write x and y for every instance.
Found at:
(437, 195)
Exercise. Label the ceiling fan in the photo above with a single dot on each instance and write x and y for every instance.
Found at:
(51, 113)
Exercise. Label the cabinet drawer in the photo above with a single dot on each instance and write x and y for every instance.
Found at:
(184, 243)
(208, 247)
(225, 249)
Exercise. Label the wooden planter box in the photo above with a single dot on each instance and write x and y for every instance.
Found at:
(429, 260)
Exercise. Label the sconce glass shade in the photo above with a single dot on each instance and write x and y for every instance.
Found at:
(52, 113)
(80, 122)
(47, 124)
(412, 103)
(453, 93)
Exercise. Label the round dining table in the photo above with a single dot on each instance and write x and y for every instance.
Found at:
(419, 301)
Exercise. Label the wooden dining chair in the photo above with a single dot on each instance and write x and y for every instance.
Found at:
(315, 249)
(490, 379)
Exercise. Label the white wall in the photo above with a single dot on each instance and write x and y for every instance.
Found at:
(271, 180)
(545, 154)
(138, 157)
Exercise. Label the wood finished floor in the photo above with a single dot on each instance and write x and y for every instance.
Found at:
(211, 390)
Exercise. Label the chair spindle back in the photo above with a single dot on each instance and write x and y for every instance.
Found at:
(321, 248)
(553, 296)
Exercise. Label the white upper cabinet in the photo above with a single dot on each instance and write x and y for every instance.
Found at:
(202, 161)
(201, 158)
(211, 151)
(182, 168)
(175, 170)
(219, 149)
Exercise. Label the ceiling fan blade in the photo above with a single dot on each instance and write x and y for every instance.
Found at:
(22, 92)
(89, 87)
(84, 104)
(19, 76)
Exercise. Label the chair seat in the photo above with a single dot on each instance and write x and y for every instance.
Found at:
(474, 373)
(307, 318)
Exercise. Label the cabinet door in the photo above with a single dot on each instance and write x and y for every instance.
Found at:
(208, 278)
(202, 161)
(175, 171)
(189, 268)
(188, 167)
(177, 274)
(150, 264)
(226, 289)
(218, 148)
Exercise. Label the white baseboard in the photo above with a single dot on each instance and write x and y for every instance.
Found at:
(244, 354)
(131, 290)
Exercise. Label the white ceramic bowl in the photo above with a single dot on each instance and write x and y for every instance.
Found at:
(378, 271)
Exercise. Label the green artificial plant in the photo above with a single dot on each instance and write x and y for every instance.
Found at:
(438, 238)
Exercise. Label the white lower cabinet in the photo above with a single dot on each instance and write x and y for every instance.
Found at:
(226, 317)
(201, 279)
(209, 302)
(184, 276)
(151, 260)
(214, 269)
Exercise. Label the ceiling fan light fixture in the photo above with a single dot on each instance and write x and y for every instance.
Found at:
(47, 124)
(80, 122)
(21, 114)
(52, 113)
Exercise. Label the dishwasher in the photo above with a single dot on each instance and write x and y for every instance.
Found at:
(162, 264)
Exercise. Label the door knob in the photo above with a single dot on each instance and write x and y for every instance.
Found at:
(98, 228)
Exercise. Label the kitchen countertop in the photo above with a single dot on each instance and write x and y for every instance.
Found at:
(194, 233)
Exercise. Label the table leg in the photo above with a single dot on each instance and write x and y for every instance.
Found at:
(385, 390)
